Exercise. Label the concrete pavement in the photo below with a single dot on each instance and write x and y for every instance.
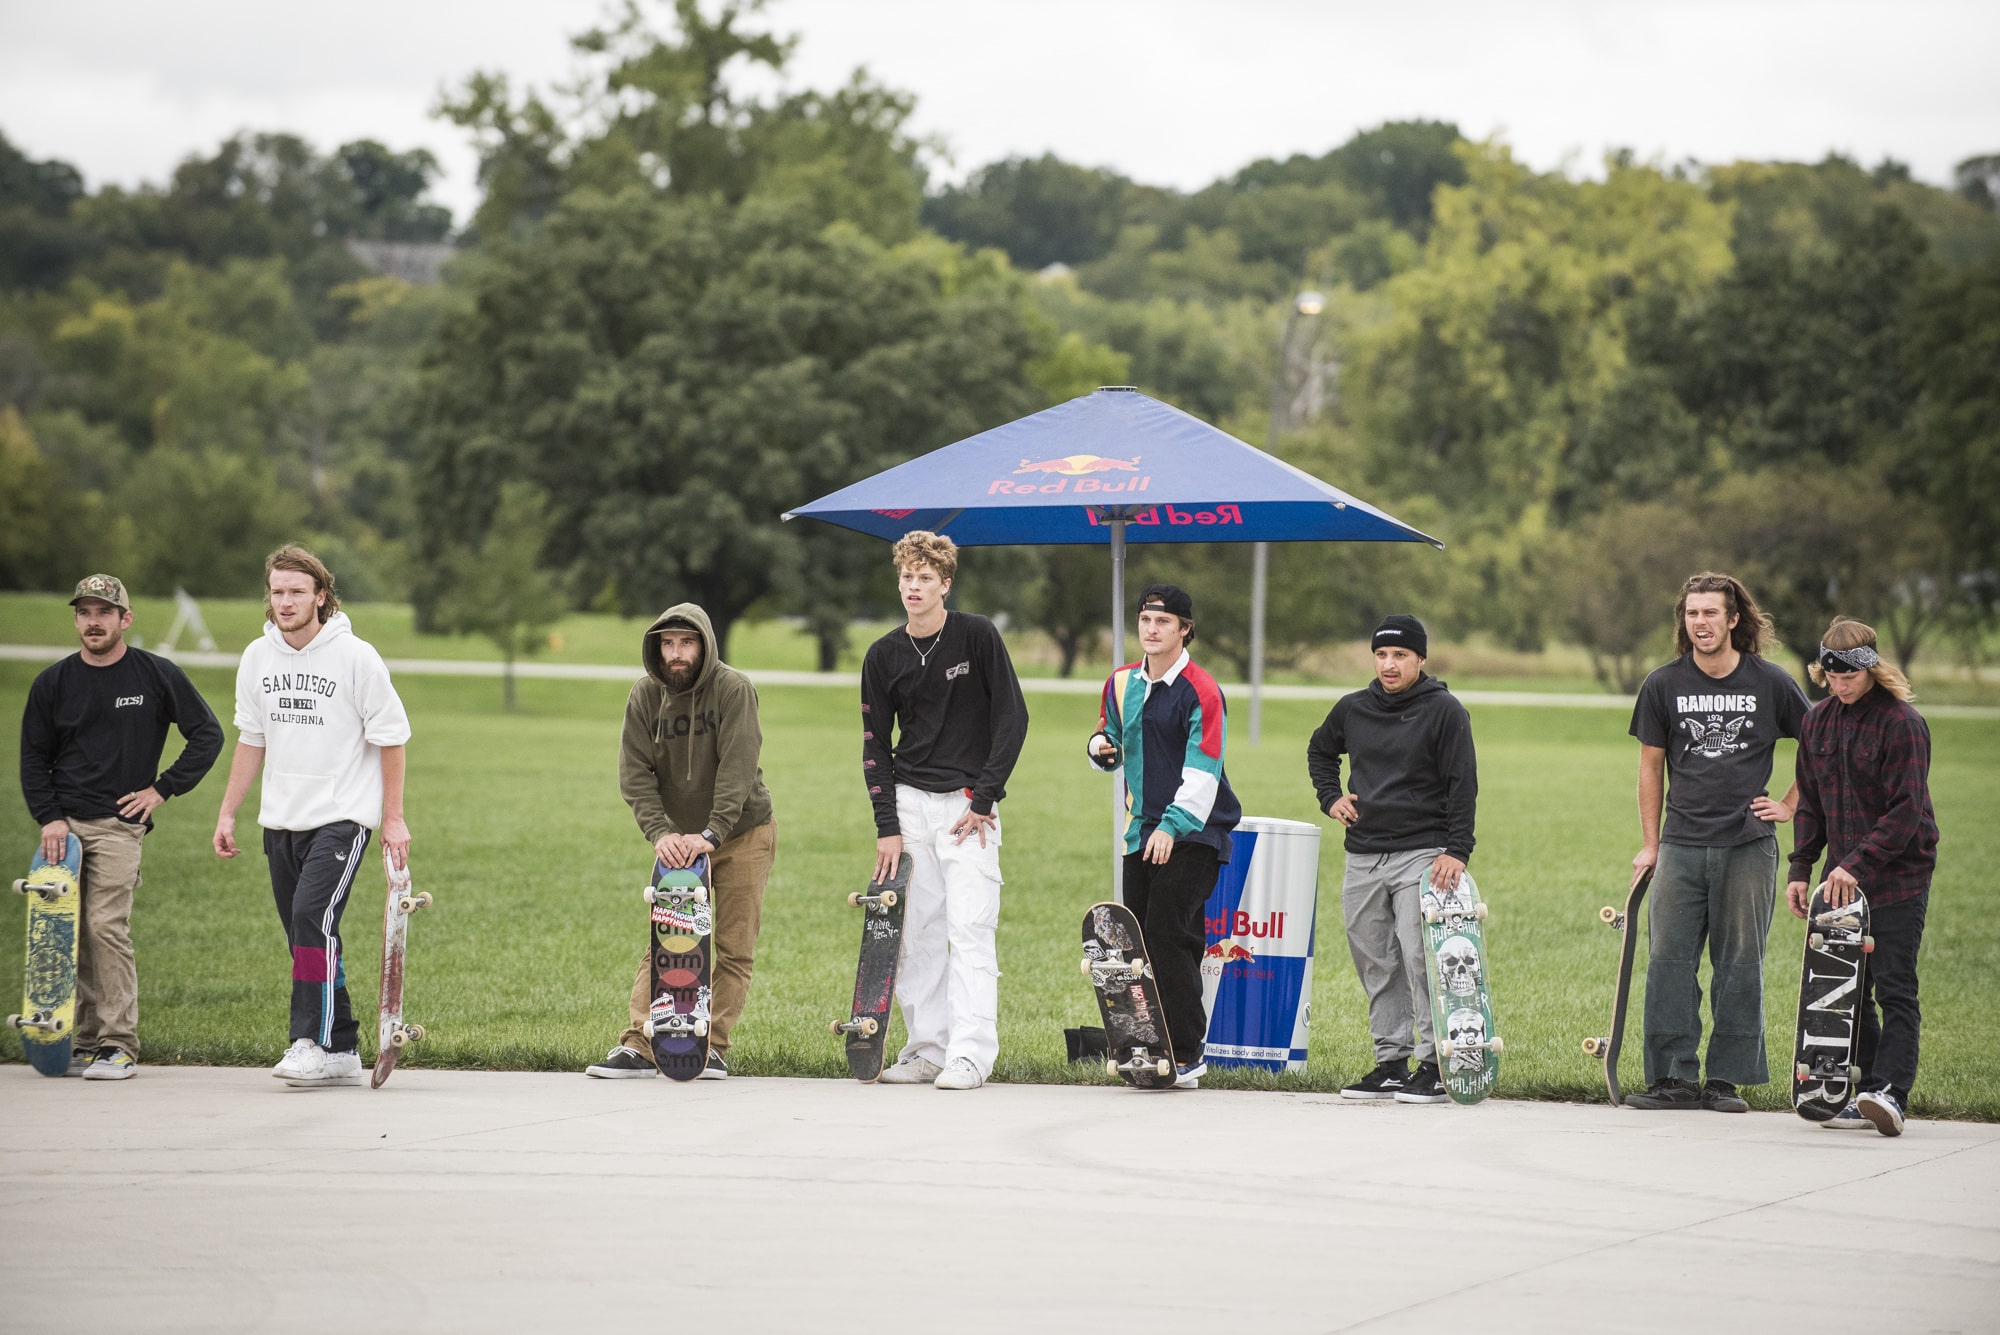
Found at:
(218, 1200)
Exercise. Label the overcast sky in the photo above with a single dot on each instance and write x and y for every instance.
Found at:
(1174, 92)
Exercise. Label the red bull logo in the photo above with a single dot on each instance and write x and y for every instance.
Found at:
(1175, 517)
(1072, 473)
(1270, 927)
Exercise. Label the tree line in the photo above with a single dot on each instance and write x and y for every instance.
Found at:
(682, 307)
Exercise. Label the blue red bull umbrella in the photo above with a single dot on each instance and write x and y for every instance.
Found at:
(1105, 463)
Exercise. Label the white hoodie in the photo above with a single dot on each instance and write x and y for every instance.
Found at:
(322, 714)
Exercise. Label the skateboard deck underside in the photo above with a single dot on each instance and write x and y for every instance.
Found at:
(875, 973)
(1830, 982)
(49, 983)
(1461, 1002)
(395, 942)
(1135, 1024)
(1607, 1048)
(682, 959)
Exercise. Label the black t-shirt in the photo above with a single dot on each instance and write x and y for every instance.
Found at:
(90, 735)
(1719, 734)
(957, 711)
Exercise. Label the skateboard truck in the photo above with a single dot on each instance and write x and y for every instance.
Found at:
(878, 903)
(49, 893)
(673, 895)
(1094, 969)
(666, 1020)
(1139, 1062)
(1494, 1044)
(46, 1022)
(405, 1033)
(411, 903)
(865, 1025)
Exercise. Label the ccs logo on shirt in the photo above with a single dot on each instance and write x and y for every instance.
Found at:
(959, 670)
(125, 700)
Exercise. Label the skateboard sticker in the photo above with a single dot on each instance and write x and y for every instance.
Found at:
(1458, 966)
(1109, 930)
(1466, 1028)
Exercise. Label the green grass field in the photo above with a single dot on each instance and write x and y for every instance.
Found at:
(526, 960)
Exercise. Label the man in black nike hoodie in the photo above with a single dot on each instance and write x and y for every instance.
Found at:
(1408, 812)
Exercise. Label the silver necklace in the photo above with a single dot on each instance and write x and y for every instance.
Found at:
(923, 657)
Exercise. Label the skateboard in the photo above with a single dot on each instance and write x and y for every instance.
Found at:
(1138, 1049)
(867, 1029)
(1837, 948)
(1626, 924)
(1468, 1046)
(47, 1022)
(683, 964)
(393, 1034)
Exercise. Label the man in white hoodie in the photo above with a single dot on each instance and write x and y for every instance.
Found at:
(319, 701)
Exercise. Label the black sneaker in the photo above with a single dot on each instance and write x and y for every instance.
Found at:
(1721, 1096)
(623, 1063)
(717, 1069)
(1423, 1086)
(1380, 1083)
(1663, 1095)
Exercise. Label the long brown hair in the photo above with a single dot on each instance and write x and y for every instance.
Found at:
(293, 557)
(1752, 633)
(1847, 633)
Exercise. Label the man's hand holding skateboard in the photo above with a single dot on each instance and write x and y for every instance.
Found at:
(680, 850)
(1840, 887)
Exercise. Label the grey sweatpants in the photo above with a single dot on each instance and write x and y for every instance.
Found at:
(1380, 897)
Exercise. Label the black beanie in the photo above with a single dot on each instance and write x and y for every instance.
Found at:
(1405, 632)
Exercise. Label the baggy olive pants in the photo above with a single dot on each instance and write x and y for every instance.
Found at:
(738, 872)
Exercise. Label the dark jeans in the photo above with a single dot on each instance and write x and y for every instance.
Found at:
(311, 873)
(1168, 901)
(1886, 1048)
(1721, 898)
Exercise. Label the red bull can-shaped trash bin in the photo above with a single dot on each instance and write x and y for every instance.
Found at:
(1256, 972)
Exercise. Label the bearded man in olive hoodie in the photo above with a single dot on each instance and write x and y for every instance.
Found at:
(688, 768)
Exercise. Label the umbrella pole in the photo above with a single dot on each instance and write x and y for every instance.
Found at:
(1117, 659)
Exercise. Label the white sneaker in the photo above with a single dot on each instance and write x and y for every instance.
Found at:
(911, 1069)
(960, 1073)
(342, 1068)
(303, 1058)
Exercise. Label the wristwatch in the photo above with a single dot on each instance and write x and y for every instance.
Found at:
(714, 839)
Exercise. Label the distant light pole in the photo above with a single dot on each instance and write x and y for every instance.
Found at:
(1305, 304)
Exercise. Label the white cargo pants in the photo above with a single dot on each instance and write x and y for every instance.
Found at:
(948, 983)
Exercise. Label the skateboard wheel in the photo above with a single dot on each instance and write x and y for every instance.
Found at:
(649, 892)
(20, 887)
(1801, 1070)
(701, 894)
(701, 1029)
(1817, 940)
(57, 1026)
(870, 1026)
(1086, 967)
(1163, 1068)
(1496, 1044)
(1608, 915)
(14, 1021)
(647, 1029)
(423, 899)
(397, 1038)
(1868, 945)
(888, 899)
(854, 900)
(1445, 1049)
(1479, 912)
(1593, 1047)
(1110, 1066)
(406, 905)
(416, 1033)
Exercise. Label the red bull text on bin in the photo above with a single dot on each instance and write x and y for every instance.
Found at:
(1257, 969)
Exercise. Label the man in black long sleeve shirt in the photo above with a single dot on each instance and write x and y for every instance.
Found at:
(1409, 813)
(91, 738)
(944, 682)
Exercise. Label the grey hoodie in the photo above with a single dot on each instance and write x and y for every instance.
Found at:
(688, 761)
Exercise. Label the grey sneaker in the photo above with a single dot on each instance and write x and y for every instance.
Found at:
(623, 1063)
(1849, 1119)
(959, 1073)
(111, 1064)
(79, 1058)
(911, 1070)
(717, 1069)
(1880, 1107)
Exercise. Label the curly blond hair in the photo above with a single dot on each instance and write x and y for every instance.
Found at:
(921, 547)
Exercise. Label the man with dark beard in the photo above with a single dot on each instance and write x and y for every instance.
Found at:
(688, 768)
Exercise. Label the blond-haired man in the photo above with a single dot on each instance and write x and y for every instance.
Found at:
(944, 684)
(317, 702)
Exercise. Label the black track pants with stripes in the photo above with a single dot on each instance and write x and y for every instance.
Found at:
(312, 872)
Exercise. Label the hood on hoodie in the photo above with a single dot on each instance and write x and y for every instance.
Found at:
(1424, 685)
(690, 615)
(331, 629)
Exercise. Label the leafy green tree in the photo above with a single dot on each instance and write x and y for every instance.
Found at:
(500, 589)
(1614, 582)
(1041, 211)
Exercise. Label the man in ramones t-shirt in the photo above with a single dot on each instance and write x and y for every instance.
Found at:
(1707, 725)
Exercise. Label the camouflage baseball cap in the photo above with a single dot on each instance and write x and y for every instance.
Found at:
(107, 587)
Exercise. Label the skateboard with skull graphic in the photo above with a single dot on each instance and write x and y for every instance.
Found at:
(47, 1021)
(1837, 950)
(867, 1028)
(683, 927)
(1137, 1048)
(1626, 924)
(1468, 1044)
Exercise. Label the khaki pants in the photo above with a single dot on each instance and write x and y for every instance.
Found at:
(107, 975)
(738, 872)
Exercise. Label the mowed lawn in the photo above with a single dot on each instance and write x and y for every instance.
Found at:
(526, 959)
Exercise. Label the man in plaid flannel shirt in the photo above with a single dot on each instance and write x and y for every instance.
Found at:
(1863, 768)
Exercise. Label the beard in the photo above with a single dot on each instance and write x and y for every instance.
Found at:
(680, 676)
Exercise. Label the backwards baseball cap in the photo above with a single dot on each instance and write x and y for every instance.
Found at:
(1168, 598)
(1402, 632)
(107, 588)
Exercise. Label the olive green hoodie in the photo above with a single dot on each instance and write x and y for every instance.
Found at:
(687, 761)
